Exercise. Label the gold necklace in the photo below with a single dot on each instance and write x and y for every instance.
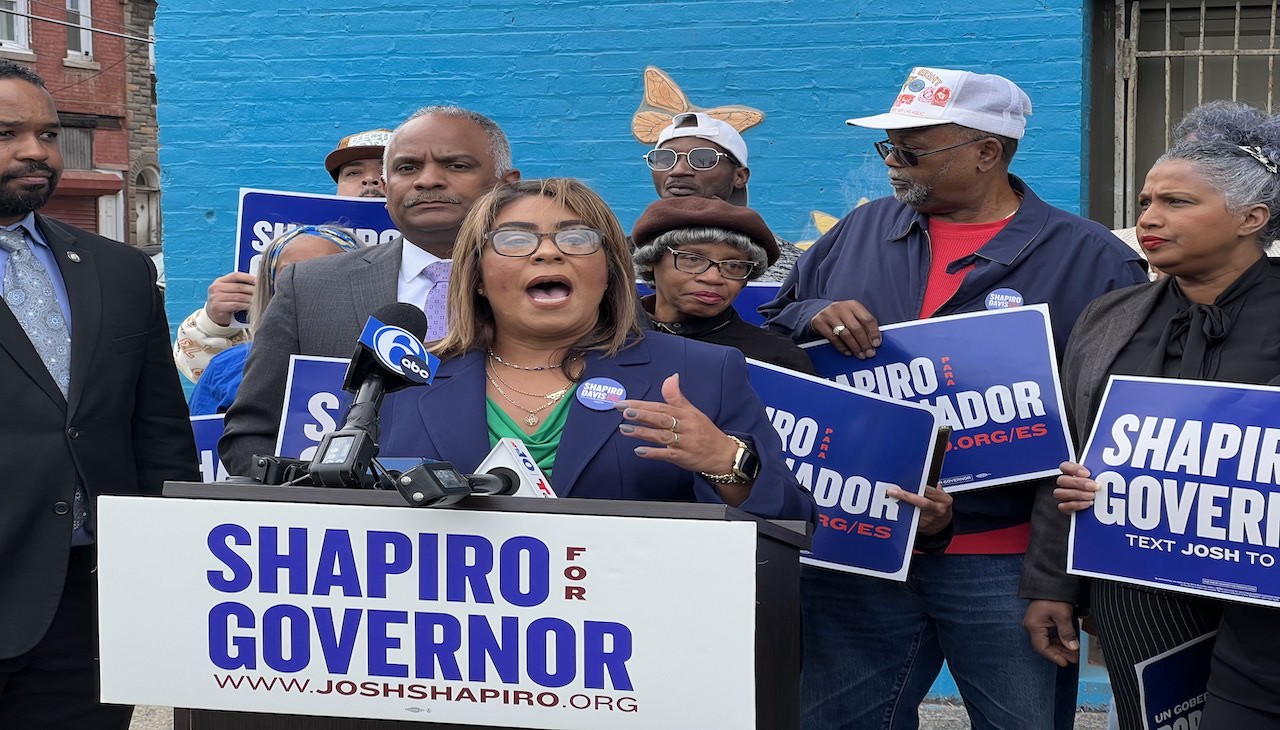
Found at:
(494, 357)
(531, 419)
(552, 396)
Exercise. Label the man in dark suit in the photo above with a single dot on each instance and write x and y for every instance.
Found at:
(92, 406)
(438, 163)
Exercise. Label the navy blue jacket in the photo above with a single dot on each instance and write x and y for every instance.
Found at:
(879, 255)
(447, 421)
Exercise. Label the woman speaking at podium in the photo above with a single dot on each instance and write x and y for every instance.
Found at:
(543, 346)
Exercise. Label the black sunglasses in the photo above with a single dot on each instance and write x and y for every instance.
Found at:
(911, 159)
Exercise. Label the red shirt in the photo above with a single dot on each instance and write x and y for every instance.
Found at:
(950, 242)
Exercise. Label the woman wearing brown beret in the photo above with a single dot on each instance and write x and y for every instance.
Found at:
(698, 254)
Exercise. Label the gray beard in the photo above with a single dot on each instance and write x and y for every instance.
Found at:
(917, 194)
(913, 196)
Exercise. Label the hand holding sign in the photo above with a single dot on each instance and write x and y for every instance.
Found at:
(228, 294)
(850, 327)
(1076, 491)
(934, 506)
(1186, 474)
(692, 441)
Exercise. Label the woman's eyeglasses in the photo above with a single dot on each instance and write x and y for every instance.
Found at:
(571, 241)
(694, 263)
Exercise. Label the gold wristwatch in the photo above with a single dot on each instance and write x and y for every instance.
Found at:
(746, 466)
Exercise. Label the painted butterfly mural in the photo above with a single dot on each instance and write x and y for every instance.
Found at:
(663, 99)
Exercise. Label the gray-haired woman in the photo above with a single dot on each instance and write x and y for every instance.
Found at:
(698, 254)
(1209, 207)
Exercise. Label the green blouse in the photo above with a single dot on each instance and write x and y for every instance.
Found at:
(542, 444)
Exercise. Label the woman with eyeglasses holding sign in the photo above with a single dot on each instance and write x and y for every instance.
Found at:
(1209, 208)
(543, 346)
(698, 254)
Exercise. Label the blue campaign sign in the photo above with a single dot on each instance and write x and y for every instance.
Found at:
(207, 430)
(848, 448)
(314, 404)
(991, 376)
(1188, 498)
(267, 214)
(752, 296)
(1174, 686)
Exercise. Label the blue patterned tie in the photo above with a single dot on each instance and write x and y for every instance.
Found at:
(29, 292)
(437, 309)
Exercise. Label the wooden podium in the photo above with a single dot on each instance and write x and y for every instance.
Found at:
(777, 607)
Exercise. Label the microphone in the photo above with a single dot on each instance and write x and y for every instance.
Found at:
(512, 456)
(440, 484)
(389, 356)
(501, 482)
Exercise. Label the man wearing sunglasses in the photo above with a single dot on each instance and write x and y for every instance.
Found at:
(700, 156)
(959, 234)
(437, 164)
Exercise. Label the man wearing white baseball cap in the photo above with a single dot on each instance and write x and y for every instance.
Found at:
(959, 234)
(700, 156)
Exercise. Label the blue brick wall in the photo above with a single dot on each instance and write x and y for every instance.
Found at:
(256, 93)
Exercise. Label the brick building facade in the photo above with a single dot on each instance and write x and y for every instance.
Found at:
(78, 48)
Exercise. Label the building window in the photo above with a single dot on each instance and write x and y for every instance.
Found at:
(79, 37)
(76, 144)
(13, 25)
(1157, 60)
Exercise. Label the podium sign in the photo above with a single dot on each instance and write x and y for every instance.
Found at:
(450, 616)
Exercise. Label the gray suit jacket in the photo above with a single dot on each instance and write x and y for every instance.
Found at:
(319, 308)
(1103, 329)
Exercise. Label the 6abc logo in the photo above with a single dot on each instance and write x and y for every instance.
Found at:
(402, 353)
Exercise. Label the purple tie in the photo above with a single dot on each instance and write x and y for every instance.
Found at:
(437, 308)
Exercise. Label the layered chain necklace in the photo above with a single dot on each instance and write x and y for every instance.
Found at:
(494, 357)
(531, 418)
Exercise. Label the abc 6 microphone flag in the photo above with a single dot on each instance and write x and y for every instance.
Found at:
(400, 351)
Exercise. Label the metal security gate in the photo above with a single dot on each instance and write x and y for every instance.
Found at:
(1172, 56)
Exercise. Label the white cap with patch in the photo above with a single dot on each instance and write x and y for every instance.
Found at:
(704, 126)
(934, 96)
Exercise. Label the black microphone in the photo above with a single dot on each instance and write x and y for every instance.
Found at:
(390, 356)
(370, 376)
(440, 484)
(499, 481)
